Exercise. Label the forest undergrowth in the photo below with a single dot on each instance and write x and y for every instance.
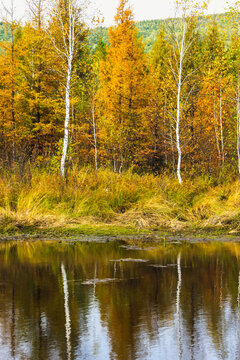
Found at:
(104, 202)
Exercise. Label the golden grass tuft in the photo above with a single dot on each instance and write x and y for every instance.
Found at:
(103, 197)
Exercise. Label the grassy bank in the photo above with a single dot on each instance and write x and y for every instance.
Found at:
(106, 203)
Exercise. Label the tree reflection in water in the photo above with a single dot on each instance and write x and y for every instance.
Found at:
(178, 306)
(67, 312)
(184, 303)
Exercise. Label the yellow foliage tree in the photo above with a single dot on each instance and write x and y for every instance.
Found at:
(123, 92)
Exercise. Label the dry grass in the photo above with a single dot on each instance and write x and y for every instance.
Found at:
(131, 200)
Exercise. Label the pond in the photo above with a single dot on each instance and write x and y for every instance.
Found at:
(61, 300)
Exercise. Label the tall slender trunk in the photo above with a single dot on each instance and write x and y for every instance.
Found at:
(172, 148)
(67, 119)
(179, 106)
(164, 129)
(70, 52)
(94, 133)
(13, 87)
(238, 124)
(221, 125)
(121, 164)
(155, 130)
(216, 132)
(114, 160)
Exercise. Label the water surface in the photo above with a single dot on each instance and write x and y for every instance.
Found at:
(111, 301)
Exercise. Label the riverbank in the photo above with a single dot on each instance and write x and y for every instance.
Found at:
(109, 204)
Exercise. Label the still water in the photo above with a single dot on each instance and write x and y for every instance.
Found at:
(111, 301)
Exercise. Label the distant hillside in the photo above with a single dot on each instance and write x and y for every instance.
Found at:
(3, 35)
(148, 29)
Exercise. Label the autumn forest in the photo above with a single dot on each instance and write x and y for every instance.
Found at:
(114, 113)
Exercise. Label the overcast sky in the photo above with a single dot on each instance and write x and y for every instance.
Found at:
(143, 9)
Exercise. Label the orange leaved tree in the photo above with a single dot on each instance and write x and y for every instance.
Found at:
(123, 91)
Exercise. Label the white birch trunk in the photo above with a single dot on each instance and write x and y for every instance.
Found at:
(69, 49)
(179, 105)
(67, 120)
(172, 148)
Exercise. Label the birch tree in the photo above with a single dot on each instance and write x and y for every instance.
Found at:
(181, 45)
(67, 33)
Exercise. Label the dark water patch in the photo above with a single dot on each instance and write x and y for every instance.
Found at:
(59, 301)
